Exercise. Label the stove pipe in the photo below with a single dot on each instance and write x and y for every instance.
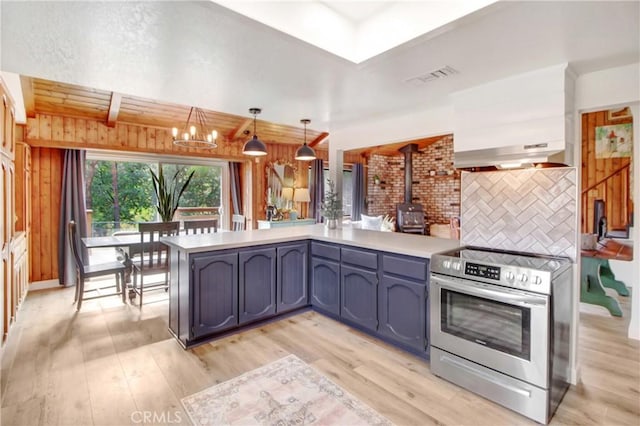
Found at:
(408, 151)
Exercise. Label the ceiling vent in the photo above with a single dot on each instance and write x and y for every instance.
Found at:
(438, 74)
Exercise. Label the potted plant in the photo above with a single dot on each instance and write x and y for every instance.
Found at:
(331, 206)
(168, 192)
(376, 180)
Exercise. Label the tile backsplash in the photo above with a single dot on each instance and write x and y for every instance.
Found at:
(529, 210)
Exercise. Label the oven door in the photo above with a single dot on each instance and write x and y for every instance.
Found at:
(501, 328)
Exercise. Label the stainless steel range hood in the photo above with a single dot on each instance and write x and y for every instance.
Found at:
(509, 156)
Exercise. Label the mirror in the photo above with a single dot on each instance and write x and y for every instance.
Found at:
(280, 174)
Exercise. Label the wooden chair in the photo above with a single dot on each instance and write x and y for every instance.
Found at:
(85, 272)
(152, 256)
(238, 221)
(201, 226)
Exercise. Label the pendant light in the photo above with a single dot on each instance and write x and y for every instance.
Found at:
(254, 146)
(305, 152)
(194, 133)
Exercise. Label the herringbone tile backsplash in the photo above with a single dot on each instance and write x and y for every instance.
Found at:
(530, 210)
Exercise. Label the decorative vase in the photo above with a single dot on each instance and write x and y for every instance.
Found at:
(332, 223)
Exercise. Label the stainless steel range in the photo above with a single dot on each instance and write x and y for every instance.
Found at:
(500, 326)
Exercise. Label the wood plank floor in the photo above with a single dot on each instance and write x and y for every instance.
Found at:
(112, 364)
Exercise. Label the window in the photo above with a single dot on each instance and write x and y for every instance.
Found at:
(347, 190)
(120, 191)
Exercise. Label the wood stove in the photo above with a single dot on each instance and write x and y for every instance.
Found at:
(410, 218)
(410, 215)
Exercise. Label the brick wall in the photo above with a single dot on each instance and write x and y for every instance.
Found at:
(436, 184)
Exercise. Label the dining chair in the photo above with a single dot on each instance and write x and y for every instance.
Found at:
(152, 257)
(87, 271)
(238, 221)
(203, 226)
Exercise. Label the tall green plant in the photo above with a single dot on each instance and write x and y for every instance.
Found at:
(168, 193)
(331, 205)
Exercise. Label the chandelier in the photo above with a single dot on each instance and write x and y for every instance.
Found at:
(195, 133)
(254, 146)
(305, 152)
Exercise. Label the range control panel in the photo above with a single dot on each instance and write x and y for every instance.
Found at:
(484, 271)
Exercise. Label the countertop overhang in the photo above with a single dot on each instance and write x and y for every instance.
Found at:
(394, 242)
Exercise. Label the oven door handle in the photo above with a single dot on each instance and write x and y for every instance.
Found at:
(481, 291)
(484, 376)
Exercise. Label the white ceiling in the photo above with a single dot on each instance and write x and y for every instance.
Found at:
(203, 54)
(355, 30)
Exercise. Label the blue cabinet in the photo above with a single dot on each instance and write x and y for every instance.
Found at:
(257, 284)
(215, 293)
(325, 278)
(382, 293)
(292, 287)
(403, 306)
(359, 296)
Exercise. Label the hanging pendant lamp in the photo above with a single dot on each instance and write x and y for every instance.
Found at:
(305, 152)
(254, 146)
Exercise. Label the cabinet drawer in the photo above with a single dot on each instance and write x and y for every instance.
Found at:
(325, 250)
(405, 266)
(364, 259)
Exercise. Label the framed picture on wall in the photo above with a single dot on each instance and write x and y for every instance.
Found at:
(619, 114)
(614, 141)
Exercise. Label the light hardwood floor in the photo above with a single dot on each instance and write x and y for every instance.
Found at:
(112, 363)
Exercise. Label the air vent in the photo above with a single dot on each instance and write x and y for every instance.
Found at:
(438, 74)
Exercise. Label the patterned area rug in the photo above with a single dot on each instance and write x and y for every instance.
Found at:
(285, 392)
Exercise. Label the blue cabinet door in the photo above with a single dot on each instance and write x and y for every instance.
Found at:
(257, 284)
(292, 289)
(359, 298)
(215, 293)
(325, 285)
(403, 311)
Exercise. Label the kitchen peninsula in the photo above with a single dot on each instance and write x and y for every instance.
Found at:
(374, 281)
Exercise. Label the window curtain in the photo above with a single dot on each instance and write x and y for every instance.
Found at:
(73, 206)
(316, 190)
(236, 187)
(357, 191)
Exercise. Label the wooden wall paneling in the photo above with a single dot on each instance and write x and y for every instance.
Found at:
(132, 137)
(46, 176)
(36, 251)
(69, 127)
(80, 130)
(614, 191)
(57, 165)
(57, 128)
(92, 131)
(44, 123)
(142, 138)
(45, 212)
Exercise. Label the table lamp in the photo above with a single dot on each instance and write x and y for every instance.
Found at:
(301, 195)
(287, 195)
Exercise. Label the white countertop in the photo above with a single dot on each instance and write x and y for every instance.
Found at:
(394, 242)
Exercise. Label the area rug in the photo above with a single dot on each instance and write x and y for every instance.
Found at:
(285, 392)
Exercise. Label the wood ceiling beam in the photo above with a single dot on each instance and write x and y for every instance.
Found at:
(114, 109)
(28, 96)
(238, 131)
(317, 141)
